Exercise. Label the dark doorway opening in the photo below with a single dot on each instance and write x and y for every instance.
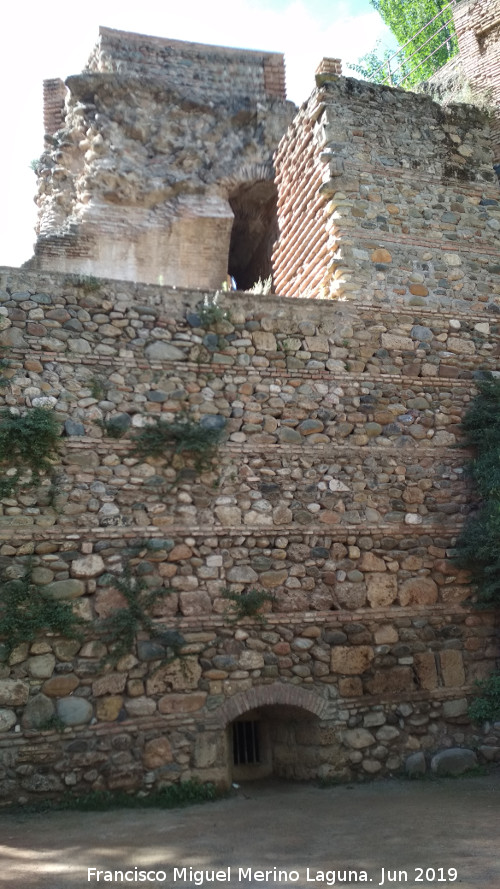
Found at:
(279, 741)
(255, 229)
(246, 743)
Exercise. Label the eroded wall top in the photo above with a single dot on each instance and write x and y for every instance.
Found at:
(209, 71)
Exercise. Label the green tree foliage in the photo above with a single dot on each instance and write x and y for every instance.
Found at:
(374, 66)
(478, 547)
(424, 54)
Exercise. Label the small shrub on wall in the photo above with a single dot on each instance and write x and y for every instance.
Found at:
(120, 630)
(247, 604)
(486, 707)
(183, 436)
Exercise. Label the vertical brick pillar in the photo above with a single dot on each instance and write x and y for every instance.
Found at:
(328, 69)
(274, 76)
(54, 93)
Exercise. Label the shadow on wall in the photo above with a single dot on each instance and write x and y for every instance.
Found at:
(255, 229)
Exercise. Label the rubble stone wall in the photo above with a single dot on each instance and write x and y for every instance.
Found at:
(338, 491)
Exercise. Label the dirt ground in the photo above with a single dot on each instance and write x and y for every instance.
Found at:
(388, 833)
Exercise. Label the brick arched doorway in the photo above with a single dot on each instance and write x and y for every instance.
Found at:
(278, 730)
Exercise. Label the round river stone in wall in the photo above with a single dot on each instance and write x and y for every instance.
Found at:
(38, 710)
(64, 589)
(213, 421)
(454, 761)
(13, 692)
(7, 720)
(88, 566)
(74, 711)
(42, 666)
(71, 427)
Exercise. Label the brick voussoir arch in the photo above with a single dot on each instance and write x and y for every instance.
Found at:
(248, 174)
(268, 696)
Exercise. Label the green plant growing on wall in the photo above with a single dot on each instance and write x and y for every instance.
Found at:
(182, 436)
(119, 630)
(97, 388)
(247, 604)
(27, 442)
(478, 546)
(486, 707)
(211, 312)
(4, 364)
(112, 428)
(86, 282)
(52, 724)
(26, 611)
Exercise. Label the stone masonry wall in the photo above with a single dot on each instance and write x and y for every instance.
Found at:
(338, 490)
(391, 198)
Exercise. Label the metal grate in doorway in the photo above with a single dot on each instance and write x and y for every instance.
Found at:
(246, 743)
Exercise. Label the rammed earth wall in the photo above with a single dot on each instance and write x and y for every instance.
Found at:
(338, 490)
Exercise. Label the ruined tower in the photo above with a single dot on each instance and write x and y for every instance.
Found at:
(158, 166)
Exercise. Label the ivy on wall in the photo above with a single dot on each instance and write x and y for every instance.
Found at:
(26, 612)
(478, 546)
(120, 629)
(28, 443)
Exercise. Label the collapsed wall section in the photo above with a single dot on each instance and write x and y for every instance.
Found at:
(156, 137)
(392, 197)
(337, 491)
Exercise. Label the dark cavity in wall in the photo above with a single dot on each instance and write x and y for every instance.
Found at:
(255, 229)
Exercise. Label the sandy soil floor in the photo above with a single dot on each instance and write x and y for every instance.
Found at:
(388, 833)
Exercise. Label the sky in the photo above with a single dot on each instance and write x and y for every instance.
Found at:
(55, 40)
